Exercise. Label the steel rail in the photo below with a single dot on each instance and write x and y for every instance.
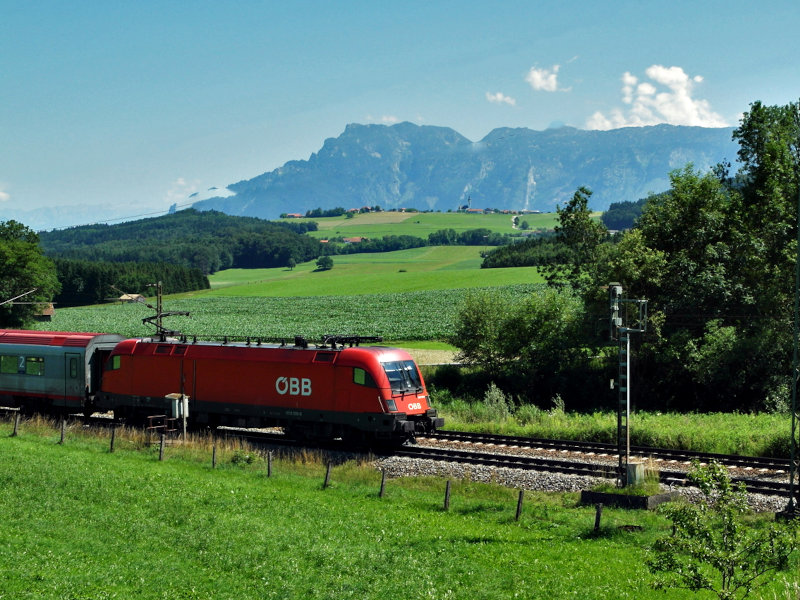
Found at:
(664, 454)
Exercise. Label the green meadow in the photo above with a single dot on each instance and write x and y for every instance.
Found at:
(377, 225)
(82, 523)
(413, 270)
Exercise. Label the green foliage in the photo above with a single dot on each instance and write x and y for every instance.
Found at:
(712, 547)
(324, 263)
(623, 215)
(24, 268)
(84, 282)
(530, 342)
(208, 241)
(498, 406)
(715, 258)
(533, 252)
(581, 236)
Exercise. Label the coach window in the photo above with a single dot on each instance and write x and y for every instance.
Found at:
(8, 364)
(73, 368)
(361, 377)
(34, 365)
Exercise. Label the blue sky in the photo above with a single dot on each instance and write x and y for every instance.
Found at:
(133, 106)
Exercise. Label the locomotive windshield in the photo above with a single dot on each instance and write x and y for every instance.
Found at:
(403, 376)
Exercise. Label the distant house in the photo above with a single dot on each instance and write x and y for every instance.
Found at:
(354, 240)
(294, 216)
(475, 211)
(45, 312)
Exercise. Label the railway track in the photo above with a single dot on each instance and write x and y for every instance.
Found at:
(673, 476)
(660, 455)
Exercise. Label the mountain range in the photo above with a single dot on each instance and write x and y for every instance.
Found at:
(436, 168)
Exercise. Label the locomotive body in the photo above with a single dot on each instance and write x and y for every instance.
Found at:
(50, 370)
(357, 393)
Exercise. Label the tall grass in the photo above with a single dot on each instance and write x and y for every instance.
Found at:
(723, 433)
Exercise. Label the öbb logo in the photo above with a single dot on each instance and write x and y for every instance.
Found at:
(294, 386)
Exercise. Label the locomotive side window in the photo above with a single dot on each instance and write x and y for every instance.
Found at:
(113, 363)
(403, 375)
(361, 377)
(163, 349)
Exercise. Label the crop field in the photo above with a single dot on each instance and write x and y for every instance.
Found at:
(426, 315)
(126, 525)
(377, 225)
(416, 269)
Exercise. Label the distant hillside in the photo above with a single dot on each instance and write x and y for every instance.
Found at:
(208, 241)
(436, 168)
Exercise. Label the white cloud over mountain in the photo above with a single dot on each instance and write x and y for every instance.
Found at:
(544, 80)
(500, 98)
(666, 98)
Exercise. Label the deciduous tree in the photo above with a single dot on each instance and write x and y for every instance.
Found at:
(23, 267)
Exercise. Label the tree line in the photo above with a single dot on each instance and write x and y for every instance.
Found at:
(86, 282)
(204, 240)
(715, 259)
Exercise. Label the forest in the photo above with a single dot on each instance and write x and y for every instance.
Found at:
(204, 240)
(715, 259)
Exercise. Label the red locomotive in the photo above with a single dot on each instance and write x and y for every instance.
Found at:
(329, 391)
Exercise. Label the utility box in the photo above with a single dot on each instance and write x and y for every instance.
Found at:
(178, 406)
(635, 473)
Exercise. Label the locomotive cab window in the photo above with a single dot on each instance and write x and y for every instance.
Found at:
(361, 377)
(403, 376)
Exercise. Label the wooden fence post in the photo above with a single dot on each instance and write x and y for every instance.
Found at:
(327, 477)
(16, 424)
(161, 448)
(383, 484)
(214, 456)
(447, 496)
(113, 437)
(598, 513)
(519, 505)
(63, 428)
(269, 463)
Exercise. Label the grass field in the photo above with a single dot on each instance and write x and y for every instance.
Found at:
(377, 225)
(82, 523)
(416, 269)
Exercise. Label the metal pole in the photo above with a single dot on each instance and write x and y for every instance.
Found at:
(624, 406)
(793, 462)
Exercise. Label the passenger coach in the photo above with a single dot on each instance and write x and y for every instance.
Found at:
(52, 371)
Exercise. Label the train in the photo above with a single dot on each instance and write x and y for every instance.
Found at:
(338, 388)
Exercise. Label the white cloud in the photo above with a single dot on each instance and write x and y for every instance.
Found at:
(500, 98)
(4, 196)
(544, 80)
(389, 119)
(180, 190)
(666, 98)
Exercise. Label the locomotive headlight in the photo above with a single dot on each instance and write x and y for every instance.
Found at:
(391, 406)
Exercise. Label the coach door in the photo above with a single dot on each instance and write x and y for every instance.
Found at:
(73, 379)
